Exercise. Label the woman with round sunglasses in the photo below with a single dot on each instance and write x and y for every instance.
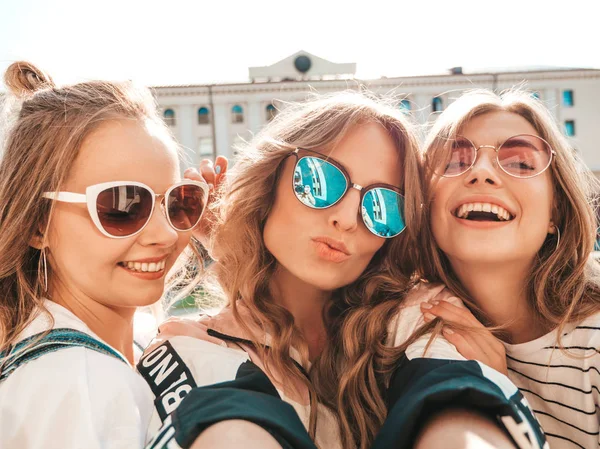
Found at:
(511, 229)
(94, 215)
(315, 260)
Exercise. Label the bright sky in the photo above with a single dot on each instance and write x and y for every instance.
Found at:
(181, 42)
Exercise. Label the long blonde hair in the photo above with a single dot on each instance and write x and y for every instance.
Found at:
(41, 141)
(563, 283)
(245, 267)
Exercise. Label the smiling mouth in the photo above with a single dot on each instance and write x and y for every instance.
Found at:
(144, 267)
(482, 212)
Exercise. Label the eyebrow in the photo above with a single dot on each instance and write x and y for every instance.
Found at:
(512, 142)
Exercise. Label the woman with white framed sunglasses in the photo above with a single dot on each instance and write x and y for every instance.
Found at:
(94, 218)
(510, 228)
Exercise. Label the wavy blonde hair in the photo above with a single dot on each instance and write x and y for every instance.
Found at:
(563, 283)
(44, 128)
(341, 378)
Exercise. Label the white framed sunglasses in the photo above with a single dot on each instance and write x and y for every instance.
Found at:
(122, 209)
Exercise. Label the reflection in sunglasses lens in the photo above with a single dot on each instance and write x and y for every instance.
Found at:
(185, 206)
(124, 210)
(524, 156)
(318, 183)
(383, 212)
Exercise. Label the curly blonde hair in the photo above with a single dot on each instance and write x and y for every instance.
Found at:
(347, 376)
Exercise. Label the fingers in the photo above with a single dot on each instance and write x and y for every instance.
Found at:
(466, 346)
(221, 164)
(193, 175)
(207, 170)
(475, 342)
(214, 173)
(450, 313)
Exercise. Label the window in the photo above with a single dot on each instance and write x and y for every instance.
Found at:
(205, 147)
(568, 99)
(203, 116)
(271, 112)
(436, 104)
(405, 105)
(570, 128)
(169, 116)
(237, 114)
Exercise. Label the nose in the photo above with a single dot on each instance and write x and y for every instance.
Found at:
(485, 170)
(344, 215)
(158, 231)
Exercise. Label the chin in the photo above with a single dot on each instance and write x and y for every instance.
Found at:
(485, 254)
(330, 283)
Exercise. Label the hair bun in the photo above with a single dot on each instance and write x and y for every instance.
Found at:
(23, 79)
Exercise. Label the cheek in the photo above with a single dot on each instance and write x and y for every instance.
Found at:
(79, 251)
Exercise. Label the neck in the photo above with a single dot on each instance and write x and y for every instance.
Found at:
(305, 302)
(114, 325)
(499, 290)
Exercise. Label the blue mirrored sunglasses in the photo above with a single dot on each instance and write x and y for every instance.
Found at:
(321, 183)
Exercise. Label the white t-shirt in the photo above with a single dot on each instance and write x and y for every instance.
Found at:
(563, 390)
(74, 398)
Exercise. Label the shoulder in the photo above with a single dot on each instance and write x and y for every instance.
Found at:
(96, 396)
(584, 333)
(186, 352)
(409, 319)
(75, 369)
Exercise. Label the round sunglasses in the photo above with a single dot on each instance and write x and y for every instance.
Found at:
(122, 209)
(320, 182)
(520, 156)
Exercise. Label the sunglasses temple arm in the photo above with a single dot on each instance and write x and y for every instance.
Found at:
(66, 197)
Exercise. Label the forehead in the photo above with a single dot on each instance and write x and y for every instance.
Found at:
(493, 128)
(370, 155)
(126, 150)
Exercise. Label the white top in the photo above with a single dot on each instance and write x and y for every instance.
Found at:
(74, 398)
(562, 388)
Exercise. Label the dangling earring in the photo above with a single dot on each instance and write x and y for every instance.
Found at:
(45, 268)
(557, 236)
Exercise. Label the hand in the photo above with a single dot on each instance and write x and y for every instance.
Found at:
(474, 343)
(213, 175)
(187, 327)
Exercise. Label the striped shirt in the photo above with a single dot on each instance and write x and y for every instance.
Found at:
(562, 387)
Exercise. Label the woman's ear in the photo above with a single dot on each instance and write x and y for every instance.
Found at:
(551, 228)
(37, 240)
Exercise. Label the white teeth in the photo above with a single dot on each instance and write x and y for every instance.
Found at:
(145, 267)
(501, 213)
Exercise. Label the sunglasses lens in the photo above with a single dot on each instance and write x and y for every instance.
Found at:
(185, 205)
(382, 211)
(459, 158)
(524, 156)
(318, 183)
(124, 210)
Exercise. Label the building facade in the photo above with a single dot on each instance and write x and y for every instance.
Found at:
(216, 119)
